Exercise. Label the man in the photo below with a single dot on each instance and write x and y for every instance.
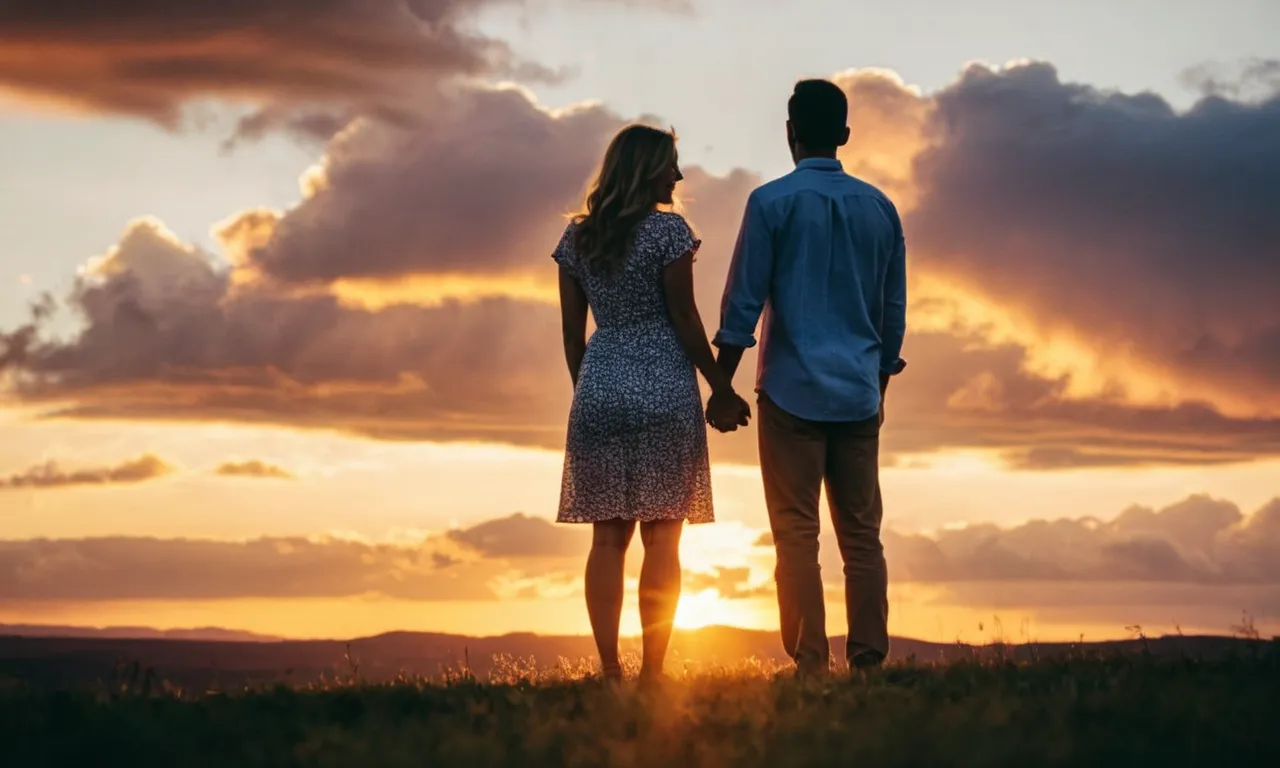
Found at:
(822, 254)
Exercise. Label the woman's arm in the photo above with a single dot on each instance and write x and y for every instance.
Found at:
(573, 322)
(677, 283)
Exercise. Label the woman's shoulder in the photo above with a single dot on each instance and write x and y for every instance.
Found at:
(667, 220)
(671, 234)
(570, 227)
(565, 251)
(666, 226)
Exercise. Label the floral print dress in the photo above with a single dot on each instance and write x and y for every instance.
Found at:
(637, 440)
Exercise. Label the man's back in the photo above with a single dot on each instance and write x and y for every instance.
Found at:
(822, 253)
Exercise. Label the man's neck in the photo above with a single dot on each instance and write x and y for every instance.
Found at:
(802, 154)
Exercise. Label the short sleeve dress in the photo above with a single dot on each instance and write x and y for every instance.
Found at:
(636, 447)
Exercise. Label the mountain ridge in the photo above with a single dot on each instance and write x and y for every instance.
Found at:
(211, 662)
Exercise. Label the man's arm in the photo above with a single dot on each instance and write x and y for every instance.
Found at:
(747, 287)
(893, 324)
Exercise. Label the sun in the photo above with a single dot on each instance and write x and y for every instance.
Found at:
(707, 608)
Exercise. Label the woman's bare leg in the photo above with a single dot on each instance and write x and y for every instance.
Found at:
(659, 589)
(604, 580)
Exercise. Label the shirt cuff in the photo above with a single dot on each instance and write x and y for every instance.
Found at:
(726, 338)
(893, 367)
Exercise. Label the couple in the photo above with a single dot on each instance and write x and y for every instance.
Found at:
(821, 254)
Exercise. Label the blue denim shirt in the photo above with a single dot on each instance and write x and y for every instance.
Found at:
(822, 255)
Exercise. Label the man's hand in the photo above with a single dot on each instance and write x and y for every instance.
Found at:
(727, 411)
(884, 390)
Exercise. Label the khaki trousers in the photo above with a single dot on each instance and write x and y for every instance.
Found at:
(796, 457)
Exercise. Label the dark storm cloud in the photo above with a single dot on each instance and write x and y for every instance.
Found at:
(53, 475)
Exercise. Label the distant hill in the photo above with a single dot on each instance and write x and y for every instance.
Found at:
(205, 659)
(134, 633)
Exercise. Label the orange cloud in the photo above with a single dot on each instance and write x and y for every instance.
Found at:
(470, 564)
(308, 66)
(52, 475)
(150, 59)
(1189, 557)
(253, 468)
(406, 295)
(1141, 235)
(170, 336)
(467, 192)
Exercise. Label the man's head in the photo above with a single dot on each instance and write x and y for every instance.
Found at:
(817, 119)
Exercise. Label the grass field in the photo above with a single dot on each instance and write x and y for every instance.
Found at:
(1132, 710)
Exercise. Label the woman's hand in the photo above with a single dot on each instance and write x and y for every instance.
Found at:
(727, 411)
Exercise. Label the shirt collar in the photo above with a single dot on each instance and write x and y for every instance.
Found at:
(819, 164)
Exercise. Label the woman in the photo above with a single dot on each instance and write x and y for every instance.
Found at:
(636, 450)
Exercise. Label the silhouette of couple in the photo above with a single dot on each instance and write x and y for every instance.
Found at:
(821, 255)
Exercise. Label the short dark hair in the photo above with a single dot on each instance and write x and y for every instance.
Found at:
(819, 113)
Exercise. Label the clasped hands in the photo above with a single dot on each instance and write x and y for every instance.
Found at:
(726, 411)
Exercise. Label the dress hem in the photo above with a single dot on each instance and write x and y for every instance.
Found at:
(585, 520)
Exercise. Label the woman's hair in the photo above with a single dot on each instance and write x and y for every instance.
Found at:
(622, 196)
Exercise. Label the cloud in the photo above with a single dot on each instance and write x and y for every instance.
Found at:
(479, 186)
(521, 536)
(172, 333)
(53, 475)
(1254, 77)
(966, 391)
(308, 64)
(513, 557)
(253, 468)
(178, 569)
(1147, 232)
(168, 335)
(150, 59)
(1199, 540)
(729, 583)
(486, 562)
(1188, 558)
(1199, 561)
(407, 295)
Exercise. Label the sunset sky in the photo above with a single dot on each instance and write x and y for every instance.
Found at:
(280, 352)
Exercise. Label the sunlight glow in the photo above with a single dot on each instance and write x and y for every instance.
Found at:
(707, 608)
(944, 305)
(433, 290)
(1088, 369)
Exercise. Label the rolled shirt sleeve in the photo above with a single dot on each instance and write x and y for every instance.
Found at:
(747, 287)
(894, 324)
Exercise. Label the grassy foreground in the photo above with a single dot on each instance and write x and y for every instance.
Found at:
(1122, 711)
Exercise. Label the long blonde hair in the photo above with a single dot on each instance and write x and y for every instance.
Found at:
(622, 196)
